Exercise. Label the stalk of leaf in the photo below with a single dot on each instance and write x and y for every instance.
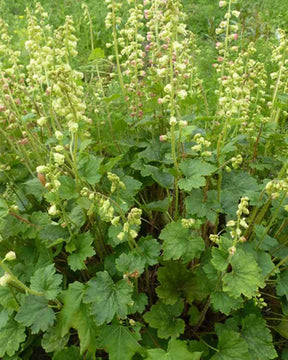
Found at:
(272, 219)
(33, 139)
(115, 42)
(17, 283)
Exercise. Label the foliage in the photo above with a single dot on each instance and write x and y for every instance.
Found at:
(143, 180)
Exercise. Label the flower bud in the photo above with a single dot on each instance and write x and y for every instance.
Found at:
(222, 3)
(163, 138)
(10, 256)
(5, 279)
(172, 121)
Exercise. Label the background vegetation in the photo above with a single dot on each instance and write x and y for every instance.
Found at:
(143, 184)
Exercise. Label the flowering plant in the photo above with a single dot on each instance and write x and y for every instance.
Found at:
(143, 208)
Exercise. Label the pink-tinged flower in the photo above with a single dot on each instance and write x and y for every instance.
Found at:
(146, 14)
(218, 45)
(149, 37)
(147, 47)
(215, 65)
(17, 101)
(160, 101)
(220, 59)
(163, 138)
(23, 141)
(235, 36)
(140, 113)
(2, 107)
(165, 46)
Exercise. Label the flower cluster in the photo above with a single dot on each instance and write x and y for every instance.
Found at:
(191, 223)
(201, 146)
(237, 226)
(101, 204)
(131, 226)
(116, 183)
(274, 187)
(279, 77)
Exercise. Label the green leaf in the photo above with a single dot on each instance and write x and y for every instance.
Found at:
(51, 235)
(164, 318)
(52, 340)
(150, 249)
(120, 342)
(177, 349)
(194, 315)
(4, 316)
(155, 151)
(96, 54)
(195, 171)
(160, 205)
(3, 208)
(202, 284)
(175, 282)
(71, 353)
(111, 162)
(180, 242)
(267, 242)
(89, 168)
(139, 303)
(83, 250)
(196, 206)
(11, 335)
(75, 314)
(231, 346)
(266, 264)
(77, 217)
(35, 188)
(221, 301)
(245, 277)
(129, 263)
(132, 187)
(282, 328)
(159, 175)
(108, 298)
(36, 313)
(219, 259)
(282, 284)
(284, 354)
(46, 281)
(258, 338)
(67, 189)
(236, 184)
(7, 300)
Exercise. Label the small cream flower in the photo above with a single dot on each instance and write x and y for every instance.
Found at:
(10, 256)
